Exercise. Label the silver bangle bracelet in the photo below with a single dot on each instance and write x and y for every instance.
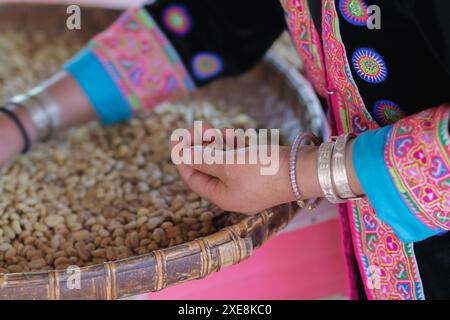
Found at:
(44, 112)
(50, 106)
(37, 114)
(324, 172)
(293, 164)
(339, 170)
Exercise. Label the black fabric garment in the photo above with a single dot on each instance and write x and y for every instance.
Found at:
(360, 290)
(433, 257)
(240, 32)
(414, 41)
(315, 7)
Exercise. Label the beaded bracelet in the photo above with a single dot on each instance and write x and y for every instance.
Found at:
(293, 164)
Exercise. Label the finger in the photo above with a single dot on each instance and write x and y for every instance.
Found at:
(197, 132)
(202, 161)
(185, 138)
(180, 139)
(204, 185)
(178, 142)
(230, 142)
(235, 138)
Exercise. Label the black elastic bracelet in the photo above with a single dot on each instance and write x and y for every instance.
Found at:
(16, 120)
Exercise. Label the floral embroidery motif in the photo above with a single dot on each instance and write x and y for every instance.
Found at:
(354, 11)
(420, 169)
(177, 19)
(306, 40)
(141, 61)
(387, 112)
(369, 65)
(206, 65)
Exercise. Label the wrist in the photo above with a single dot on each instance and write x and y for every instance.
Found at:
(282, 183)
(307, 179)
(13, 140)
(75, 108)
(355, 186)
(27, 123)
(306, 168)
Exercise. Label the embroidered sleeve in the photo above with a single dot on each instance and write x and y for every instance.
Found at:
(168, 48)
(404, 170)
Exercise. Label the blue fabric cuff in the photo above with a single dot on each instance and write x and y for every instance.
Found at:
(100, 89)
(372, 173)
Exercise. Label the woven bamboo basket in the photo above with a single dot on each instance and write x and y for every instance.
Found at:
(274, 93)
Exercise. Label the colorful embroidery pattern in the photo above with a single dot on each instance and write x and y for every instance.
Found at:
(177, 19)
(354, 11)
(307, 41)
(349, 109)
(369, 65)
(206, 65)
(141, 61)
(387, 112)
(396, 273)
(390, 267)
(417, 157)
(379, 251)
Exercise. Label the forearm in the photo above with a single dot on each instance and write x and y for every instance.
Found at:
(12, 143)
(74, 107)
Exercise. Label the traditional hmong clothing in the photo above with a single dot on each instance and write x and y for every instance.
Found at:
(390, 86)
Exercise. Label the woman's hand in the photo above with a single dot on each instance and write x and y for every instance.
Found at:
(239, 187)
(242, 187)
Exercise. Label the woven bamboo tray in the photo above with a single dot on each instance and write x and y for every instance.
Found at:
(274, 93)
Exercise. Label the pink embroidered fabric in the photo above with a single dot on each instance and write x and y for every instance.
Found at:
(418, 159)
(348, 104)
(307, 41)
(141, 61)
